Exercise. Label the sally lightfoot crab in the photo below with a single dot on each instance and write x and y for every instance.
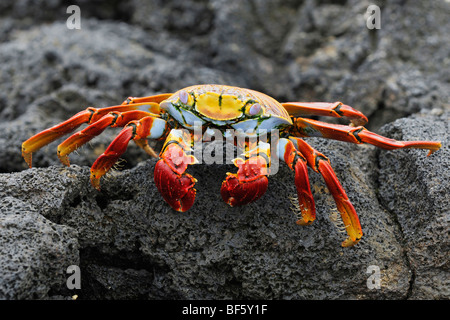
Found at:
(175, 116)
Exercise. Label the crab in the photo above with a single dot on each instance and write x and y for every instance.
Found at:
(184, 117)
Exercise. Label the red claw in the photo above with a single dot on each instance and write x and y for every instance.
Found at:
(248, 185)
(177, 190)
(175, 186)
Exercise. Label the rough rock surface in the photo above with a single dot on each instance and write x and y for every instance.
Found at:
(127, 241)
(35, 252)
(416, 189)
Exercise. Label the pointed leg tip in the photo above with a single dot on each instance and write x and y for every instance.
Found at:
(28, 158)
(302, 222)
(435, 148)
(349, 242)
(95, 182)
(64, 160)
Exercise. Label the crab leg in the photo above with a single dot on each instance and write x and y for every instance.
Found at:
(320, 163)
(336, 109)
(156, 99)
(312, 128)
(250, 182)
(297, 162)
(148, 127)
(176, 186)
(112, 119)
(89, 116)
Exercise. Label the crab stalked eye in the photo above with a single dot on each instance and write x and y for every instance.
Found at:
(184, 97)
(254, 109)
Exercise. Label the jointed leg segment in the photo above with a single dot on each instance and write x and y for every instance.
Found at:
(297, 154)
(147, 127)
(89, 116)
(304, 127)
(297, 163)
(312, 128)
(320, 163)
(336, 109)
(112, 119)
(138, 126)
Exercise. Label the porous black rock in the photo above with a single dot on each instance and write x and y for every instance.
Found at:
(127, 241)
(417, 190)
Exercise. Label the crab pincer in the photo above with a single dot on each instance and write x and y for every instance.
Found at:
(175, 186)
(248, 184)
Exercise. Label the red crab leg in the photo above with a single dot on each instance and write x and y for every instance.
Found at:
(336, 109)
(112, 119)
(297, 162)
(176, 186)
(250, 182)
(156, 99)
(319, 163)
(148, 127)
(311, 128)
(90, 115)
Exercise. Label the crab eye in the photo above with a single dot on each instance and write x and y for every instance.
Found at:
(184, 97)
(254, 109)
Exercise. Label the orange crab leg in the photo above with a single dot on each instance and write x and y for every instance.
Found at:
(49, 135)
(319, 163)
(148, 127)
(157, 99)
(336, 109)
(313, 128)
(297, 163)
(250, 182)
(90, 115)
(112, 119)
(176, 186)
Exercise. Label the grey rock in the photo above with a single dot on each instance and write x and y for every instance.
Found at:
(417, 190)
(35, 252)
(129, 244)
